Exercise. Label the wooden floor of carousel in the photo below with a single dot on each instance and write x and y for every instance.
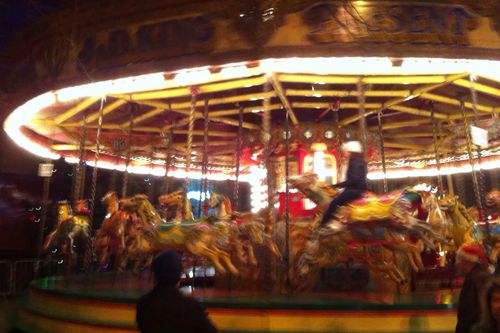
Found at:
(64, 306)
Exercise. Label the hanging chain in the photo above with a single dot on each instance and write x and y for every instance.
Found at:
(362, 119)
(81, 167)
(382, 151)
(88, 249)
(114, 172)
(471, 156)
(194, 93)
(129, 152)
(436, 150)
(459, 181)
(495, 180)
(74, 180)
(238, 160)
(480, 174)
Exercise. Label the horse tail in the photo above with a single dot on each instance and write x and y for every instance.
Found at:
(227, 203)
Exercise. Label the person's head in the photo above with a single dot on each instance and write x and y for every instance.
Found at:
(352, 149)
(470, 256)
(167, 267)
(490, 304)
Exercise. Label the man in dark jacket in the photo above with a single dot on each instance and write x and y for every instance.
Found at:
(355, 184)
(165, 309)
(473, 263)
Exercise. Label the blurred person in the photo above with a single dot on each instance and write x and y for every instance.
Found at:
(165, 309)
(490, 308)
(355, 184)
(472, 263)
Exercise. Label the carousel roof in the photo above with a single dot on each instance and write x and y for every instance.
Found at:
(406, 93)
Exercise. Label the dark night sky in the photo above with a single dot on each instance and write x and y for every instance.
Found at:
(14, 15)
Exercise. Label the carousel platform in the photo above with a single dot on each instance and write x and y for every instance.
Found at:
(109, 306)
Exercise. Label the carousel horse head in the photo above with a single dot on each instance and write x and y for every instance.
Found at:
(172, 199)
(318, 191)
(133, 203)
(214, 200)
(493, 198)
(111, 199)
(303, 181)
(449, 202)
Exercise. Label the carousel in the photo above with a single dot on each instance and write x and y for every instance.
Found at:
(265, 93)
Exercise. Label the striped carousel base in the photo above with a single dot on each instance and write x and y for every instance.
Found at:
(76, 309)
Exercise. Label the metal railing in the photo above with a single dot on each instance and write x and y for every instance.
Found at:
(16, 276)
(6, 277)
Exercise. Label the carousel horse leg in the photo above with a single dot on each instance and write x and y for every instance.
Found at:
(226, 258)
(251, 254)
(200, 249)
(49, 240)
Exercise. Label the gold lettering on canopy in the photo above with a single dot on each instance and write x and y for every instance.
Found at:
(398, 23)
(172, 38)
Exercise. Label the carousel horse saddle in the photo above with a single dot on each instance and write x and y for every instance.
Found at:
(166, 226)
(370, 207)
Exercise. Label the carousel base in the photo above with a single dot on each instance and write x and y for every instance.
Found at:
(109, 306)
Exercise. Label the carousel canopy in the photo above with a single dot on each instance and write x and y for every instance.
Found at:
(417, 100)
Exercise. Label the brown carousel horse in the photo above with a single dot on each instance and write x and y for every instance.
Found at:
(110, 238)
(69, 227)
(224, 211)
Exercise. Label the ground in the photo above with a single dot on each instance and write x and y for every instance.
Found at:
(7, 309)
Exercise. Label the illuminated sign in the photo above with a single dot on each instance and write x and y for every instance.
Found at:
(324, 165)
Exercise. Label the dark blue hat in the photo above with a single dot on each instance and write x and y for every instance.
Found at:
(167, 268)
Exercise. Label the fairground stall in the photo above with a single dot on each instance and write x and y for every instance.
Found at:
(264, 93)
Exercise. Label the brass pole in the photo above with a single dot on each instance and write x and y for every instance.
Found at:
(362, 117)
(88, 249)
(382, 151)
(436, 150)
(129, 151)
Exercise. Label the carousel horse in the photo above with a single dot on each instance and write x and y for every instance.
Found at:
(380, 260)
(392, 211)
(69, 227)
(249, 221)
(493, 200)
(370, 221)
(464, 229)
(110, 238)
(184, 210)
(202, 238)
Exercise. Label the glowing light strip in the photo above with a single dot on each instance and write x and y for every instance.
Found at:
(21, 116)
(160, 172)
(350, 66)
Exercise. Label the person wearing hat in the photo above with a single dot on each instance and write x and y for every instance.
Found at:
(472, 263)
(355, 184)
(165, 309)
